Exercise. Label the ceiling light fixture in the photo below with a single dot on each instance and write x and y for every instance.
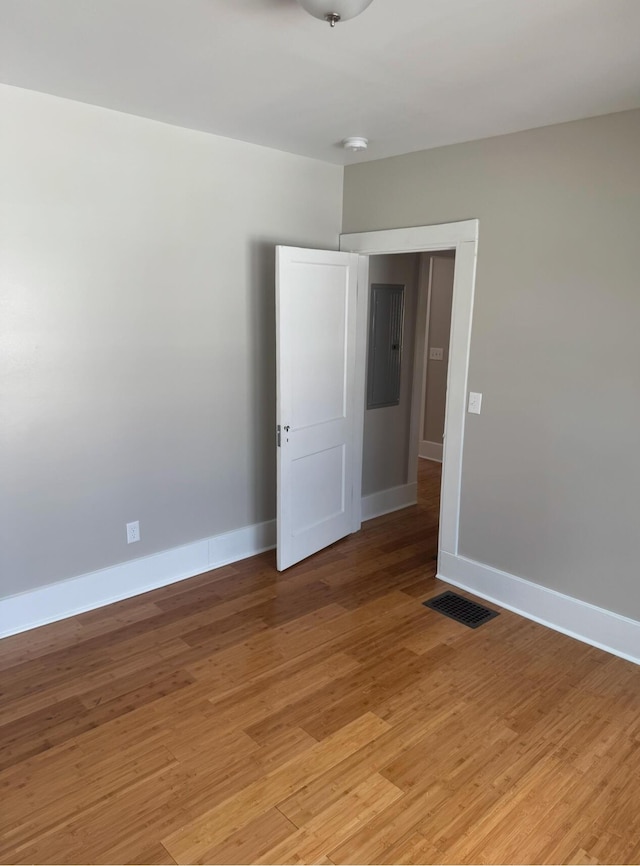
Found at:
(355, 143)
(334, 10)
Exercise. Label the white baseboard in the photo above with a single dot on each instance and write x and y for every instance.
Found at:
(430, 450)
(586, 622)
(389, 500)
(594, 625)
(57, 601)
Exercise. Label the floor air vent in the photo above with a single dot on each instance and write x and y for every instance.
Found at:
(461, 609)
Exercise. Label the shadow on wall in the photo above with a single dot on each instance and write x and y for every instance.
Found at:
(261, 329)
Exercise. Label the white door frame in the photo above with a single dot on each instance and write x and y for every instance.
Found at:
(463, 238)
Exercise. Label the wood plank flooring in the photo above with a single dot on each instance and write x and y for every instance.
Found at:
(319, 716)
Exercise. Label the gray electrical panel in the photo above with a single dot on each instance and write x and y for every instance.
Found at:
(386, 316)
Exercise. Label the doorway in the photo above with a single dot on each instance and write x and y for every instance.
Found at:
(462, 239)
(388, 476)
(407, 363)
(310, 284)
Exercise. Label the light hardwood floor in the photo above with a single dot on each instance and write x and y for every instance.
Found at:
(322, 715)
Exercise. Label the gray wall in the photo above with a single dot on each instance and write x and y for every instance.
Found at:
(386, 430)
(435, 396)
(552, 466)
(137, 331)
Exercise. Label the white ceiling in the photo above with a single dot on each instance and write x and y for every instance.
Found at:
(407, 74)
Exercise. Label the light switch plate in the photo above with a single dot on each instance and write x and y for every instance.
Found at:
(436, 354)
(475, 402)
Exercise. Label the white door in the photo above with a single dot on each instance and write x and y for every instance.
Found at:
(316, 292)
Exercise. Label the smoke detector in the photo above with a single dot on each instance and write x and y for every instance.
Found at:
(355, 143)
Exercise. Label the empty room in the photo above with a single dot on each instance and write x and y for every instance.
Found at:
(319, 419)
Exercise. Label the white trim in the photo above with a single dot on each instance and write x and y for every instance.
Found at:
(596, 626)
(463, 237)
(430, 450)
(392, 499)
(240, 544)
(464, 281)
(415, 239)
(76, 595)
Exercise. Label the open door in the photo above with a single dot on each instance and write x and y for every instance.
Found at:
(316, 293)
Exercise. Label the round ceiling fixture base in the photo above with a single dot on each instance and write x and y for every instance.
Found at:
(334, 10)
(355, 143)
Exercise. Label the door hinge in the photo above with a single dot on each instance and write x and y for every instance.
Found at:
(278, 436)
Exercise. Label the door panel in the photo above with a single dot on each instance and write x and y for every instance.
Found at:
(319, 382)
(328, 498)
(315, 335)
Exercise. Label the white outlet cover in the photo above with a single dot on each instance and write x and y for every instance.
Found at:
(475, 402)
(436, 354)
(133, 532)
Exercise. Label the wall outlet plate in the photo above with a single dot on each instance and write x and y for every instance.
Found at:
(133, 532)
(436, 354)
(475, 402)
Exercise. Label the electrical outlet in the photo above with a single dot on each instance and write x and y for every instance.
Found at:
(133, 532)
(475, 402)
(436, 354)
